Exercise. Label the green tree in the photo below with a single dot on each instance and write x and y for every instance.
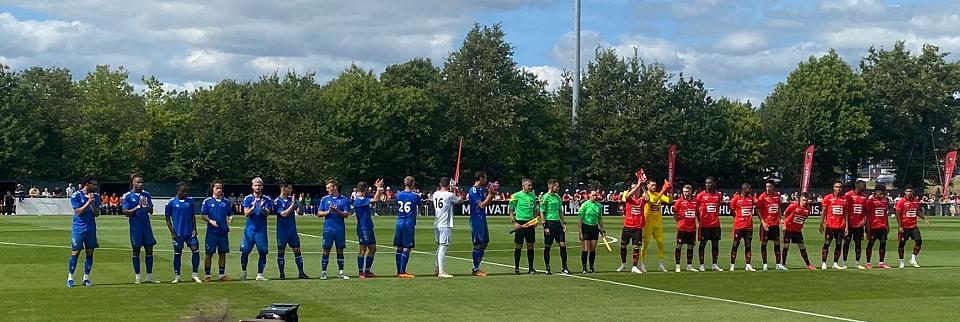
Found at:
(418, 73)
(821, 103)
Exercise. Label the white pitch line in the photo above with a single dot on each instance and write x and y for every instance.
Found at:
(762, 306)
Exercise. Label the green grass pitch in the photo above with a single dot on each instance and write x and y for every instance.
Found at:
(34, 251)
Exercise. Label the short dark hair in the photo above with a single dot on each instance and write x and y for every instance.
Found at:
(362, 185)
(552, 181)
(836, 181)
(479, 175)
(89, 179)
(183, 185)
(284, 184)
(135, 175)
(881, 187)
(333, 182)
(805, 195)
(444, 182)
(770, 181)
(908, 187)
(214, 183)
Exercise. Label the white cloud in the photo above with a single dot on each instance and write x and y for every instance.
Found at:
(552, 75)
(742, 42)
(862, 6)
(564, 50)
(939, 23)
(693, 7)
(652, 49)
(26, 37)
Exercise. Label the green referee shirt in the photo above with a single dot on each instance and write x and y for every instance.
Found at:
(550, 206)
(590, 212)
(523, 204)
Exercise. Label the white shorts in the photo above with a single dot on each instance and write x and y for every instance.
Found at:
(443, 235)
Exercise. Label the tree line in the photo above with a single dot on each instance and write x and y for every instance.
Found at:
(897, 105)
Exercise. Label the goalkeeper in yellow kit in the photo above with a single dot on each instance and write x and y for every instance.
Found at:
(653, 221)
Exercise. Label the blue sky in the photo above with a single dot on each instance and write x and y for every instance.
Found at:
(740, 48)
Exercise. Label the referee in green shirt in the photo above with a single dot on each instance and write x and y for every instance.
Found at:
(591, 226)
(554, 228)
(523, 208)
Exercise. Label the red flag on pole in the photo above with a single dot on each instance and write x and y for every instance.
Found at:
(671, 163)
(807, 168)
(950, 162)
(456, 174)
(642, 176)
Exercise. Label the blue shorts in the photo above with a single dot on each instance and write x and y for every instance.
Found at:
(404, 237)
(329, 237)
(216, 243)
(84, 240)
(479, 233)
(190, 241)
(251, 239)
(366, 237)
(288, 238)
(142, 236)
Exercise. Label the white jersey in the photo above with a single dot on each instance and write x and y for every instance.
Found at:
(443, 202)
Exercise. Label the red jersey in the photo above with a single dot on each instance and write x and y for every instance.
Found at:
(876, 210)
(742, 209)
(709, 207)
(856, 204)
(633, 213)
(908, 209)
(795, 216)
(833, 210)
(686, 211)
(769, 206)
(566, 197)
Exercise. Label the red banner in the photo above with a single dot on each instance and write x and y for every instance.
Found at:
(671, 163)
(807, 168)
(456, 174)
(950, 162)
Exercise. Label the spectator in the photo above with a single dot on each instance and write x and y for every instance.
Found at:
(34, 192)
(57, 192)
(46, 192)
(566, 196)
(69, 190)
(9, 209)
(114, 204)
(20, 192)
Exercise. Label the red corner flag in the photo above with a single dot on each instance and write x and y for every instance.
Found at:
(456, 174)
(671, 163)
(807, 168)
(950, 163)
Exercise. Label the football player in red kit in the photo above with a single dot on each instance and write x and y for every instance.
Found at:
(685, 212)
(834, 216)
(877, 209)
(908, 209)
(743, 206)
(769, 205)
(794, 217)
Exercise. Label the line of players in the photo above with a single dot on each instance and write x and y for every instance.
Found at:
(848, 217)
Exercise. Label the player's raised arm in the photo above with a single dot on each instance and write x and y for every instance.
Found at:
(378, 193)
(127, 203)
(95, 200)
(248, 205)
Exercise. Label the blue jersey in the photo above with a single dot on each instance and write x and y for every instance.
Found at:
(217, 210)
(141, 217)
(286, 224)
(476, 195)
(84, 221)
(181, 211)
(361, 208)
(333, 222)
(407, 203)
(257, 222)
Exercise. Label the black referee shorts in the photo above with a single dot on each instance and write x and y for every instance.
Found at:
(528, 234)
(556, 233)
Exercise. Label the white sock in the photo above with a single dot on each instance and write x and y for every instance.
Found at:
(176, 277)
(194, 274)
(86, 277)
(222, 275)
(913, 257)
(901, 261)
(441, 254)
(70, 276)
(137, 275)
(150, 276)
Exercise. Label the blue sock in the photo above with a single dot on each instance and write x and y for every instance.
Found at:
(149, 262)
(476, 259)
(87, 264)
(404, 257)
(360, 264)
(206, 270)
(480, 259)
(280, 263)
(176, 263)
(325, 261)
(196, 261)
(244, 259)
(399, 252)
(223, 270)
(340, 261)
(369, 264)
(299, 259)
(262, 263)
(72, 266)
(136, 265)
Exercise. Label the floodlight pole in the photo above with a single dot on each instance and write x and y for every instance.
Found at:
(576, 101)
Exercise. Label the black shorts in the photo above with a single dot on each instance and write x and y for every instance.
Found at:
(686, 238)
(709, 233)
(746, 234)
(910, 233)
(590, 232)
(879, 234)
(856, 233)
(556, 233)
(833, 234)
(793, 237)
(528, 234)
(772, 233)
(629, 235)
